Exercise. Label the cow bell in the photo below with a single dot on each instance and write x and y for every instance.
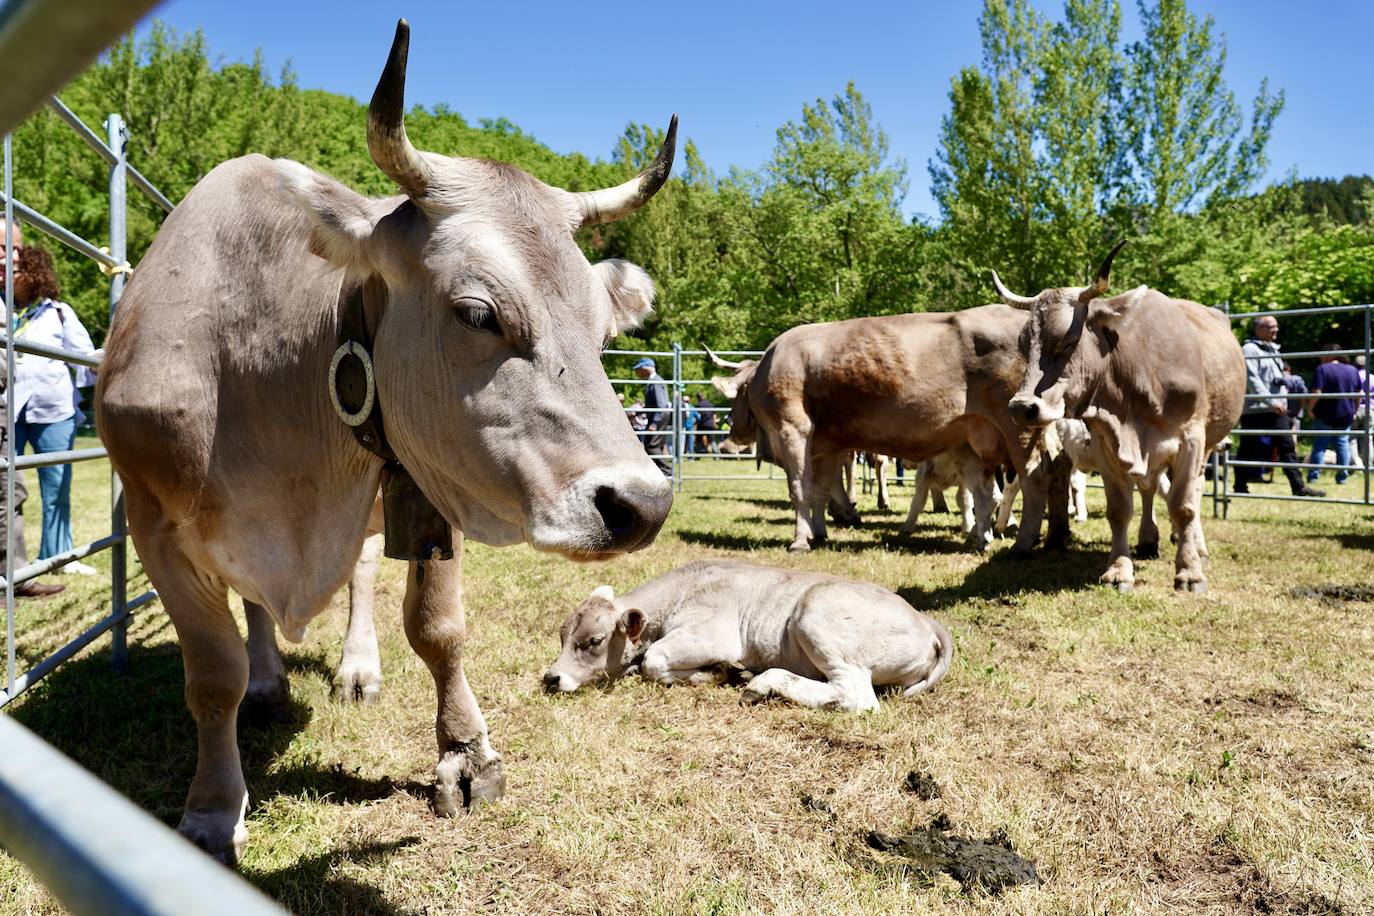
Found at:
(414, 528)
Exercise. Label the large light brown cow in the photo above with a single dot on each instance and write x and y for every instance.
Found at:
(1159, 382)
(239, 474)
(910, 386)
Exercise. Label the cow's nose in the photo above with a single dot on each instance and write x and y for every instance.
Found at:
(1024, 412)
(633, 513)
(551, 681)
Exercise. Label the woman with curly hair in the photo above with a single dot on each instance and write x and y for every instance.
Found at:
(45, 398)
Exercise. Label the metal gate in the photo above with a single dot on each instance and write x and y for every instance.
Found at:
(113, 263)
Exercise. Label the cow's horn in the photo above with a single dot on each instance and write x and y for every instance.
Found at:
(611, 204)
(722, 363)
(386, 129)
(1100, 282)
(1010, 298)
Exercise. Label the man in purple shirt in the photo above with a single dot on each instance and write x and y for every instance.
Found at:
(1334, 376)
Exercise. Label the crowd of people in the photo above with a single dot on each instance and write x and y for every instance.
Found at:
(46, 405)
(1278, 400)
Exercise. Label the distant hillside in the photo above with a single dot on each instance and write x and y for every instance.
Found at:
(1344, 200)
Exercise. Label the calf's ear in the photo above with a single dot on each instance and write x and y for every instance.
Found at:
(1109, 311)
(340, 225)
(632, 292)
(633, 622)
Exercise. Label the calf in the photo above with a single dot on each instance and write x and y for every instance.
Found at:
(814, 639)
(978, 495)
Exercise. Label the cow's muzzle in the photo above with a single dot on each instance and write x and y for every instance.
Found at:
(1032, 411)
(604, 512)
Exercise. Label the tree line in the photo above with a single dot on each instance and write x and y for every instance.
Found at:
(1060, 140)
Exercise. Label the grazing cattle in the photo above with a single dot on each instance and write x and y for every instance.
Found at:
(910, 386)
(977, 492)
(482, 324)
(1159, 382)
(814, 639)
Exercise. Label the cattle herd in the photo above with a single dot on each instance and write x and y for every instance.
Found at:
(289, 348)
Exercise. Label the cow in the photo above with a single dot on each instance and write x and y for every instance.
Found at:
(977, 491)
(480, 323)
(910, 386)
(815, 639)
(1158, 381)
(1077, 443)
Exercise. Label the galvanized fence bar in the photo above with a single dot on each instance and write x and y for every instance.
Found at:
(107, 153)
(70, 829)
(10, 673)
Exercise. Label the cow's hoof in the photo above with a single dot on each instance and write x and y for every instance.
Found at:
(1196, 586)
(483, 787)
(1122, 587)
(266, 704)
(357, 683)
(1020, 553)
(754, 695)
(1147, 551)
(799, 547)
(222, 835)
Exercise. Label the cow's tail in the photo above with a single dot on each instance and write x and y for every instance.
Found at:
(937, 674)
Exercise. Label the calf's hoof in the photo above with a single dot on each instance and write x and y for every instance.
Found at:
(357, 683)
(471, 787)
(754, 695)
(266, 704)
(220, 833)
(1147, 551)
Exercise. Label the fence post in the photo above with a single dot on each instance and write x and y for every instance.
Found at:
(10, 518)
(119, 595)
(677, 416)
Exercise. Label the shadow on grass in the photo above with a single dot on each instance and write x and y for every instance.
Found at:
(885, 535)
(314, 885)
(1002, 574)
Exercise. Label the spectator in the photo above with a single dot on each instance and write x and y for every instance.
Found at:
(1266, 408)
(1361, 425)
(45, 399)
(1334, 376)
(1296, 386)
(657, 412)
(687, 438)
(706, 425)
(14, 520)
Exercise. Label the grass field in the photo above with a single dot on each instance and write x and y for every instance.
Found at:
(1149, 752)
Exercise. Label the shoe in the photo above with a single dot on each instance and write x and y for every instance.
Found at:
(37, 590)
(1241, 488)
(1310, 491)
(77, 568)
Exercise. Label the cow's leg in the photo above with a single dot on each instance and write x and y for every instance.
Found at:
(830, 647)
(1185, 504)
(977, 518)
(216, 665)
(825, 469)
(1034, 487)
(841, 502)
(937, 501)
(684, 656)
(918, 499)
(469, 772)
(880, 469)
(359, 675)
(1120, 504)
(794, 456)
(1147, 541)
(1004, 511)
(1078, 495)
(850, 482)
(1058, 485)
(850, 690)
(269, 692)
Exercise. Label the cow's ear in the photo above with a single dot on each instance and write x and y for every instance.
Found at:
(340, 225)
(726, 385)
(604, 591)
(632, 292)
(633, 622)
(1109, 311)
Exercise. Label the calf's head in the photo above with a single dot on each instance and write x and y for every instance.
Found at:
(598, 640)
(1067, 343)
(487, 350)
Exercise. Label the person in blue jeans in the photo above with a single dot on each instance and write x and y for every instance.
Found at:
(45, 396)
(1334, 376)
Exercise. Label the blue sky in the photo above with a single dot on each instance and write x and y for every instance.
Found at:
(574, 75)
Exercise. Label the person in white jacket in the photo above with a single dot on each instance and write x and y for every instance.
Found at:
(45, 404)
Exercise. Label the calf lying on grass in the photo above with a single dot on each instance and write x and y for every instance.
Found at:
(814, 639)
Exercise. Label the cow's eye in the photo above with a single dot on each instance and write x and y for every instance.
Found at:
(594, 642)
(478, 315)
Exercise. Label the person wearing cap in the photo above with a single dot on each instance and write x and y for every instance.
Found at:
(658, 414)
(1266, 411)
(11, 517)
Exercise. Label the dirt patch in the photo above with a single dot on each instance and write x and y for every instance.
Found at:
(922, 785)
(1237, 882)
(990, 864)
(1331, 593)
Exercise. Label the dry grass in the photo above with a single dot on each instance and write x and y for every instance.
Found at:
(1149, 752)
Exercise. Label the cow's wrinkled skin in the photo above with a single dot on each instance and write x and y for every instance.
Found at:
(815, 639)
(909, 386)
(1159, 382)
(238, 473)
